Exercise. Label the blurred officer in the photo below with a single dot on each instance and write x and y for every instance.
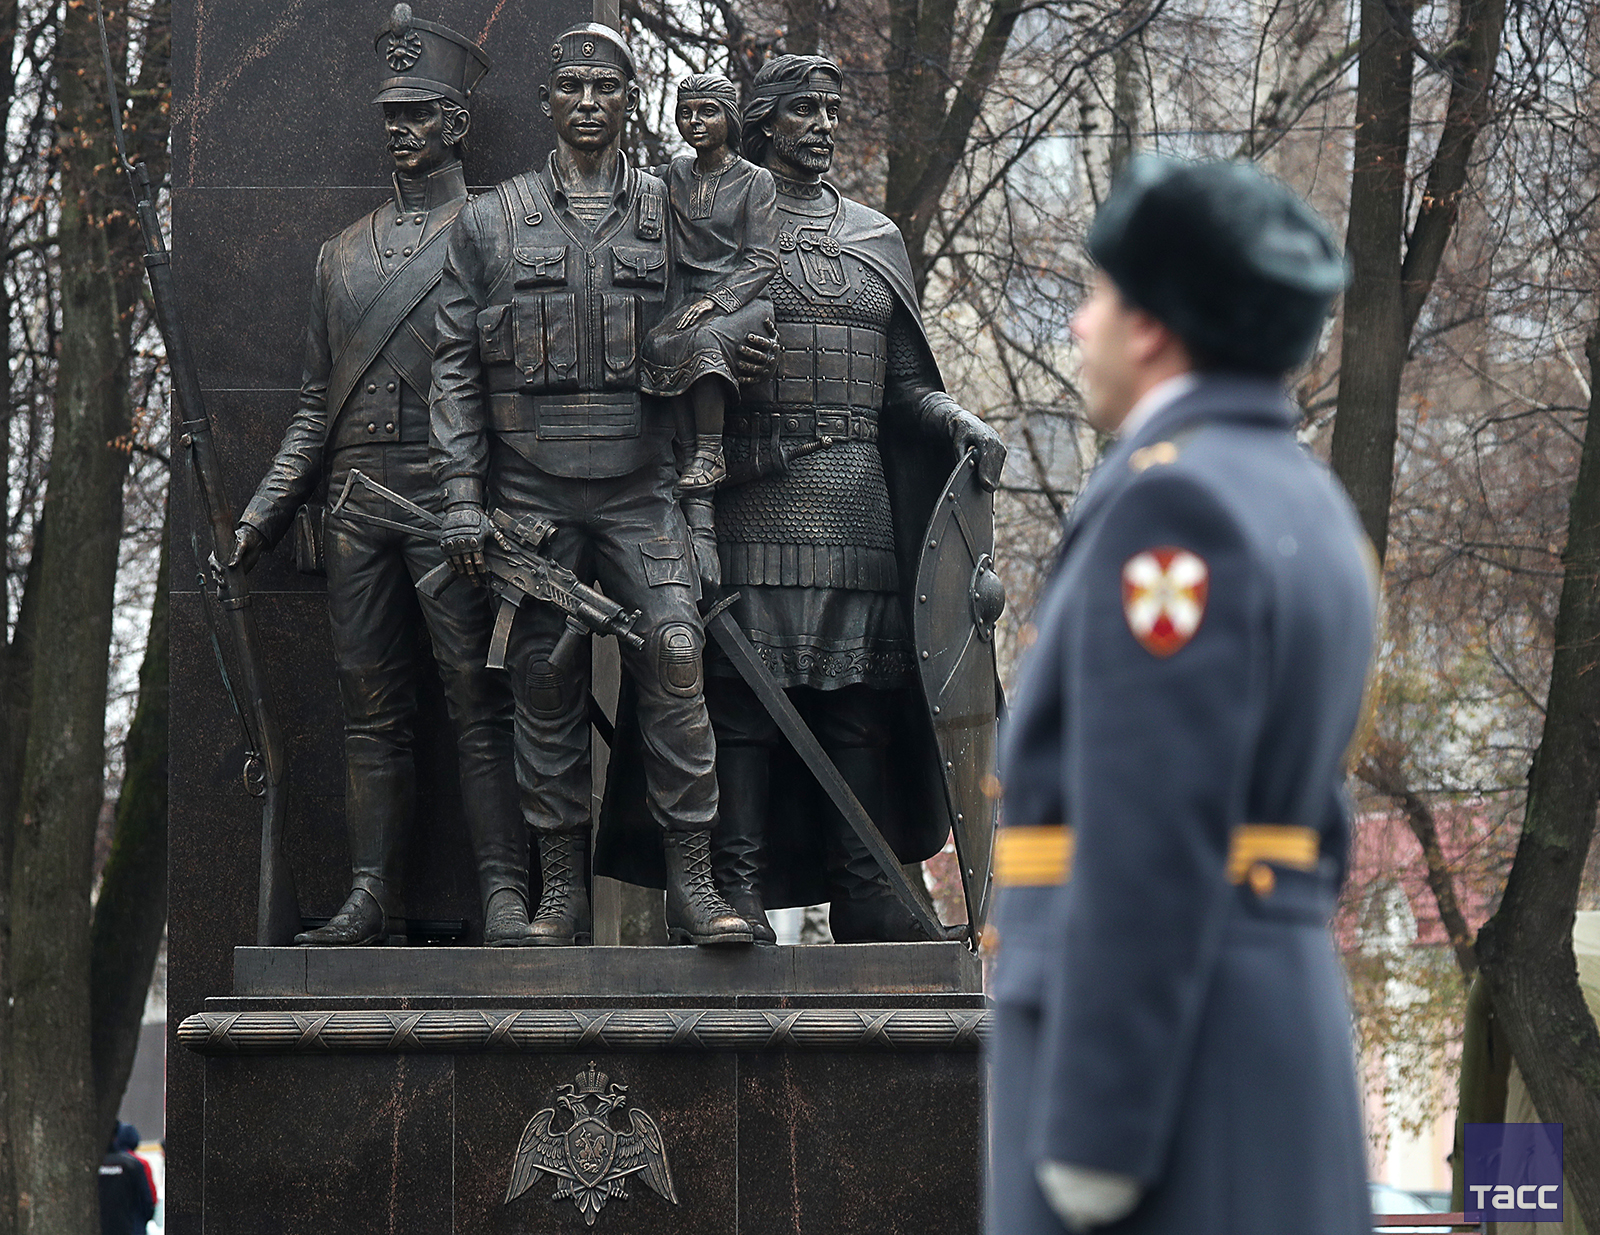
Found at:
(1172, 1047)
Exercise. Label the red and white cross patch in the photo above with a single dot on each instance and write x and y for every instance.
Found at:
(1164, 597)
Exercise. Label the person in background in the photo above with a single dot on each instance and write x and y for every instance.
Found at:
(127, 1188)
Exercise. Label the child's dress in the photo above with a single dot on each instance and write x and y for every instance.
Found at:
(724, 229)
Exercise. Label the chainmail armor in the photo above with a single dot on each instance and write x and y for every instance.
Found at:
(872, 308)
(905, 357)
(826, 523)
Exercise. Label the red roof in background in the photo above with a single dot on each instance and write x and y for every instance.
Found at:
(1477, 846)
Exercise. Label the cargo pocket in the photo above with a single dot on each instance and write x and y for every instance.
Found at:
(632, 267)
(540, 266)
(621, 348)
(664, 563)
(494, 335)
(528, 353)
(561, 340)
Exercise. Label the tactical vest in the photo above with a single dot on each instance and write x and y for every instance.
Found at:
(561, 337)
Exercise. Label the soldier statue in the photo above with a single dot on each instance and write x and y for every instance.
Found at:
(551, 284)
(822, 544)
(363, 405)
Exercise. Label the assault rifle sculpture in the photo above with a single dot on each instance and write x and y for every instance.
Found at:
(225, 588)
(517, 572)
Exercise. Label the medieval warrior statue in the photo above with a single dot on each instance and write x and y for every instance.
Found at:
(723, 232)
(551, 284)
(363, 406)
(835, 464)
(823, 550)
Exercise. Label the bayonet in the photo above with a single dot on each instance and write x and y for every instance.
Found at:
(266, 768)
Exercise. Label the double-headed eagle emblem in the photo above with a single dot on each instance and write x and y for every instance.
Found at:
(590, 1159)
(404, 45)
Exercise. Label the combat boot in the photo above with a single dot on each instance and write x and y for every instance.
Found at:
(696, 912)
(563, 913)
(864, 908)
(736, 840)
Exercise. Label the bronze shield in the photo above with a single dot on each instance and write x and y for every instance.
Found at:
(957, 601)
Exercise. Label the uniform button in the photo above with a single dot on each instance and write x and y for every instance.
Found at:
(592, 259)
(372, 390)
(388, 252)
(391, 387)
(400, 222)
(372, 428)
(388, 428)
(418, 219)
(405, 252)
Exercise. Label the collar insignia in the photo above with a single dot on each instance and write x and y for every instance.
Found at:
(1160, 454)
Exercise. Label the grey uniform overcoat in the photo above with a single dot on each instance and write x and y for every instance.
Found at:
(1154, 1017)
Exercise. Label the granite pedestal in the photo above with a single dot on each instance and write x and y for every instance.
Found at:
(389, 1089)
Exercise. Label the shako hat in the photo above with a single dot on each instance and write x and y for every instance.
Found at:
(1228, 258)
(594, 44)
(427, 60)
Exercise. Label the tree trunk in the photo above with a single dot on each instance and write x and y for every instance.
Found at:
(1374, 341)
(1124, 104)
(803, 33)
(56, 1143)
(1525, 949)
(1388, 290)
(1383, 770)
(131, 912)
(15, 677)
(927, 139)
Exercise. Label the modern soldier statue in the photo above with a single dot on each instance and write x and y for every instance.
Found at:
(818, 532)
(1171, 1045)
(551, 284)
(363, 405)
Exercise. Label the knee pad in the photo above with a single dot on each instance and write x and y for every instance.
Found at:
(545, 688)
(678, 666)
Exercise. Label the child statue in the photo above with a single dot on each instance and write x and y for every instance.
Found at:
(724, 228)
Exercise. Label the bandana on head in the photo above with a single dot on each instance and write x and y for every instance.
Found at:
(824, 76)
(710, 86)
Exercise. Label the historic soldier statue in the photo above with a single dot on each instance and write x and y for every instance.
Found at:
(821, 544)
(1171, 1047)
(551, 284)
(363, 405)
